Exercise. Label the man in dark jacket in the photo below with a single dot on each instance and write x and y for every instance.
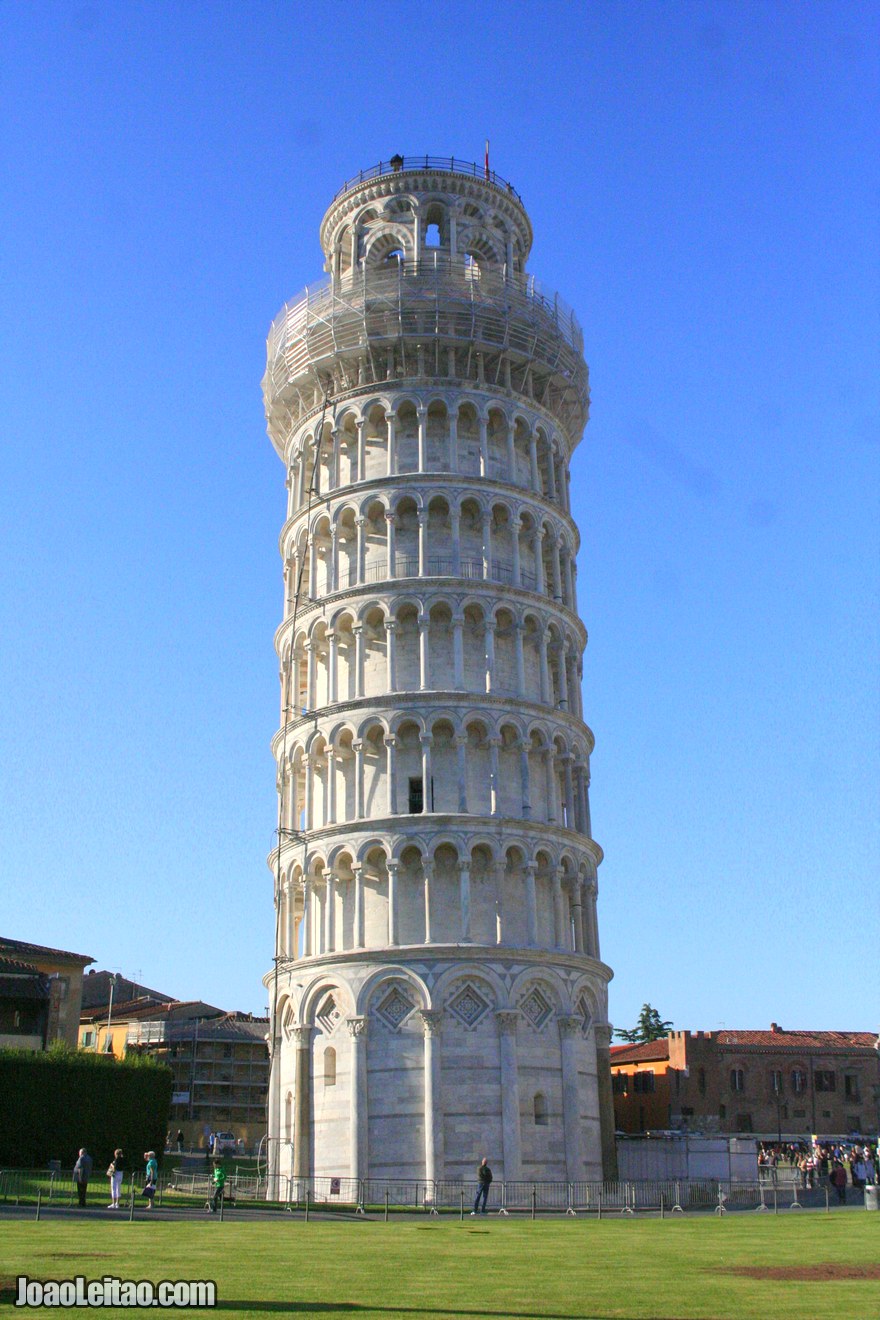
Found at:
(82, 1172)
(484, 1179)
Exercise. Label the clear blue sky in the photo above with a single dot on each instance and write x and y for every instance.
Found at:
(702, 179)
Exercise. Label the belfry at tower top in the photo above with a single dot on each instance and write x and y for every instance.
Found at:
(453, 207)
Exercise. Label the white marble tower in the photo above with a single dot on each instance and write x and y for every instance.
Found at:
(437, 992)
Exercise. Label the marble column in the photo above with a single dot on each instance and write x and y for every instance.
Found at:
(391, 654)
(489, 632)
(424, 625)
(569, 1039)
(308, 938)
(357, 1029)
(531, 906)
(464, 893)
(510, 1119)
(458, 651)
(461, 742)
(358, 749)
(391, 544)
(302, 1093)
(428, 877)
(330, 913)
(358, 873)
(427, 742)
(432, 1020)
(391, 868)
(391, 772)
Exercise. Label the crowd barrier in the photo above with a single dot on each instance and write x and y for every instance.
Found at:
(507, 1197)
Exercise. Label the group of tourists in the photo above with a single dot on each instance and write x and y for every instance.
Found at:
(836, 1164)
(116, 1171)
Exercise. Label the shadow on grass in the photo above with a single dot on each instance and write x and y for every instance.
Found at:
(358, 1308)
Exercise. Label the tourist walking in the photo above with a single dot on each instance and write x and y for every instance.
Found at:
(219, 1184)
(180, 1141)
(484, 1181)
(151, 1177)
(116, 1173)
(82, 1172)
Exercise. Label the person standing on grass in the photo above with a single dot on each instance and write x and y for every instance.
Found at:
(838, 1180)
(484, 1181)
(116, 1173)
(82, 1172)
(151, 1177)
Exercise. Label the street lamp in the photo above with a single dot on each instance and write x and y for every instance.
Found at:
(777, 1088)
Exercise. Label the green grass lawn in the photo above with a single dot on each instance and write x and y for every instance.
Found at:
(544, 1270)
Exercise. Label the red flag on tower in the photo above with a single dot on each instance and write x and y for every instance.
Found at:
(487, 158)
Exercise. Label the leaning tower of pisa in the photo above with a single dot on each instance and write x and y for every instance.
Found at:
(437, 992)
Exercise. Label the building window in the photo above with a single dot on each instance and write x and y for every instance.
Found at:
(737, 1080)
(330, 1066)
(701, 1081)
(88, 1039)
(618, 1083)
(798, 1081)
(541, 1119)
(851, 1089)
(743, 1122)
(643, 1082)
(776, 1081)
(722, 1111)
(825, 1080)
(416, 797)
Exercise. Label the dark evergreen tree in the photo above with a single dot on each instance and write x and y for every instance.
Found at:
(650, 1026)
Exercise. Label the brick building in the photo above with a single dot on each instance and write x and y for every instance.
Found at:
(771, 1083)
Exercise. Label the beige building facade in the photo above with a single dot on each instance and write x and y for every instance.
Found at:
(437, 992)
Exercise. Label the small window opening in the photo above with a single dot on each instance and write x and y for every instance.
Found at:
(432, 236)
(416, 796)
(394, 257)
(541, 1119)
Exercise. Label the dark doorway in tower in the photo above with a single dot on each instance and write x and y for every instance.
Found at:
(417, 796)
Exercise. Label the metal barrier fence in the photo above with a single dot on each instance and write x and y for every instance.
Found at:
(249, 1191)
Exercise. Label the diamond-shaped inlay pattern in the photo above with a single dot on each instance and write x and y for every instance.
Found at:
(328, 1016)
(469, 1006)
(536, 1007)
(585, 1015)
(394, 1008)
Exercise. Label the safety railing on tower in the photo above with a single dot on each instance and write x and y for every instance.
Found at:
(441, 164)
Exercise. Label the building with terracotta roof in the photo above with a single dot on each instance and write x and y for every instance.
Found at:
(51, 981)
(773, 1083)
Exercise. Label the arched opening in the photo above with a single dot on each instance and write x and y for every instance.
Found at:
(540, 1109)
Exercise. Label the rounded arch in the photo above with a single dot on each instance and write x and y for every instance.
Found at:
(372, 985)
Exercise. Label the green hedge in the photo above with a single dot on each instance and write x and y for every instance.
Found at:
(53, 1103)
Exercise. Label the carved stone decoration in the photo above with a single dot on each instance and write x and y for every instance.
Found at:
(585, 1014)
(432, 1020)
(507, 1019)
(328, 1015)
(569, 1024)
(468, 1006)
(357, 1026)
(536, 1008)
(394, 1009)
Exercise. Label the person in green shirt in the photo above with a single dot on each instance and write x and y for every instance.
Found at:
(151, 1177)
(219, 1184)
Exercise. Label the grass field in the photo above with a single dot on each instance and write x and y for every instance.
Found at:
(547, 1270)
